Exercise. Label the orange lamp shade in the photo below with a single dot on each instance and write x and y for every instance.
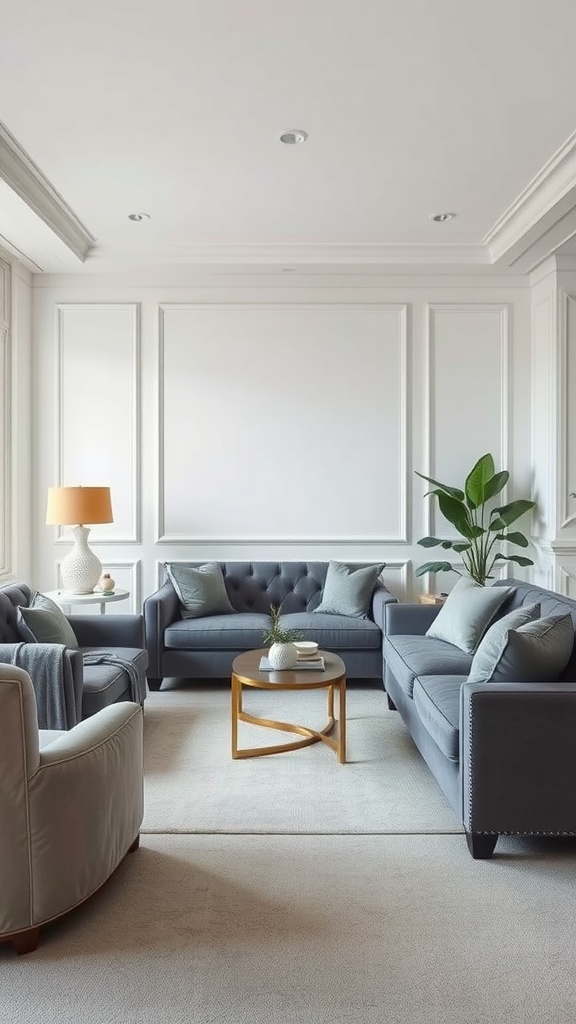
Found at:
(75, 506)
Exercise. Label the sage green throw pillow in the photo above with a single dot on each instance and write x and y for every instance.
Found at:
(43, 622)
(467, 613)
(201, 589)
(536, 652)
(489, 652)
(348, 590)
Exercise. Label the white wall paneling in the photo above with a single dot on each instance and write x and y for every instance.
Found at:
(567, 413)
(127, 575)
(98, 409)
(5, 422)
(283, 423)
(468, 396)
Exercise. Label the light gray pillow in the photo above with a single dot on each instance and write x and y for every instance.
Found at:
(489, 651)
(467, 613)
(536, 652)
(43, 622)
(348, 590)
(201, 589)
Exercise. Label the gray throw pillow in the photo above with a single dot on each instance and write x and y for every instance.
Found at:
(43, 622)
(467, 613)
(201, 589)
(489, 651)
(536, 652)
(348, 590)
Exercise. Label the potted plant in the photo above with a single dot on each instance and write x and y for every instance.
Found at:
(483, 527)
(282, 653)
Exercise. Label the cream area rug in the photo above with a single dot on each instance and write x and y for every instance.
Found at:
(193, 785)
(310, 930)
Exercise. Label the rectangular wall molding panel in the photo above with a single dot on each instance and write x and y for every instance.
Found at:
(468, 400)
(98, 408)
(284, 424)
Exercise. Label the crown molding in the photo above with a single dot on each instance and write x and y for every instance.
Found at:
(543, 215)
(25, 179)
(299, 254)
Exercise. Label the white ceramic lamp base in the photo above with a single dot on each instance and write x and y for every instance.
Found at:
(81, 569)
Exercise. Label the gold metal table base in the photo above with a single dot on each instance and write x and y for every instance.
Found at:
(337, 743)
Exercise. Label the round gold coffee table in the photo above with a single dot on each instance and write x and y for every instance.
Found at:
(246, 672)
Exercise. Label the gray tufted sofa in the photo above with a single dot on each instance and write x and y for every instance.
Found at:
(204, 648)
(503, 753)
(83, 689)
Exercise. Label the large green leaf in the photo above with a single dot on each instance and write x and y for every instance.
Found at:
(459, 547)
(514, 538)
(453, 491)
(519, 559)
(430, 542)
(477, 479)
(509, 514)
(434, 567)
(455, 512)
(495, 485)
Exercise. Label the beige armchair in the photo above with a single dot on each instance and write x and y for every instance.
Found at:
(71, 805)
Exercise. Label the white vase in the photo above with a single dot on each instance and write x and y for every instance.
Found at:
(282, 656)
(81, 569)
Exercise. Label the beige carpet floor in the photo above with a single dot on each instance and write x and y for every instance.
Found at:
(197, 929)
(193, 785)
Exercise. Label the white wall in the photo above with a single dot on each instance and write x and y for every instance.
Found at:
(255, 416)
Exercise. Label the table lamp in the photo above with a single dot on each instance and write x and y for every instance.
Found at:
(75, 506)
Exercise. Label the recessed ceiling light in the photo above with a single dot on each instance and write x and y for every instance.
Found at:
(294, 136)
(441, 217)
(138, 216)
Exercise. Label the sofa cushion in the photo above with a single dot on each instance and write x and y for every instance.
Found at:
(467, 613)
(335, 632)
(106, 683)
(415, 655)
(242, 631)
(44, 622)
(348, 589)
(201, 590)
(536, 652)
(490, 648)
(437, 699)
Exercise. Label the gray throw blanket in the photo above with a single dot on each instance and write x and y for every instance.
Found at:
(137, 684)
(50, 670)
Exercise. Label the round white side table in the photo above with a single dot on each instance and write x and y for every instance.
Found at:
(66, 600)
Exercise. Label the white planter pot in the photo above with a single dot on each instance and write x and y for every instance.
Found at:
(282, 656)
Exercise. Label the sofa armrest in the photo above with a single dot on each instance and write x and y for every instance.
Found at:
(405, 619)
(518, 757)
(108, 630)
(380, 598)
(160, 610)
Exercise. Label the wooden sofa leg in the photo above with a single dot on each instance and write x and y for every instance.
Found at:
(391, 703)
(26, 941)
(481, 846)
(154, 684)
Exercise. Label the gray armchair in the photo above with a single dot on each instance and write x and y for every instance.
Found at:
(71, 805)
(109, 664)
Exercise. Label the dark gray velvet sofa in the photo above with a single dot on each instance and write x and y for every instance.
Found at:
(503, 753)
(204, 648)
(74, 690)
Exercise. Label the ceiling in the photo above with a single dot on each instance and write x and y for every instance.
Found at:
(175, 107)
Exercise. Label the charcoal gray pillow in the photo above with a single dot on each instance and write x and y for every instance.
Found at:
(489, 651)
(201, 589)
(467, 613)
(536, 652)
(43, 622)
(348, 590)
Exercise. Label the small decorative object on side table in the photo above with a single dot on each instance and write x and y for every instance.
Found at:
(432, 598)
